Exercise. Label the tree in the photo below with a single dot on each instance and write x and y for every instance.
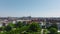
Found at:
(1, 28)
(53, 30)
(34, 27)
(11, 24)
(18, 25)
(53, 25)
(8, 28)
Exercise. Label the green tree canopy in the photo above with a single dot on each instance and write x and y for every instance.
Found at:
(53, 30)
(8, 28)
(18, 24)
(34, 27)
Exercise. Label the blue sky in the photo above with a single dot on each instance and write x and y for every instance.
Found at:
(34, 8)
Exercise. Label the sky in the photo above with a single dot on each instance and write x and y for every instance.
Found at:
(34, 8)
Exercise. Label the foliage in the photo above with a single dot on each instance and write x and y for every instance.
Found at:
(54, 26)
(8, 28)
(53, 30)
(34, 27)
(11, 24)
(18, 25)
(18, 28)
(45, 31)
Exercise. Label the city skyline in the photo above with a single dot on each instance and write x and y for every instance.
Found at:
(34, 8)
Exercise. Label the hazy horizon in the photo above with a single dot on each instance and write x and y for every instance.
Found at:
(34, 8)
